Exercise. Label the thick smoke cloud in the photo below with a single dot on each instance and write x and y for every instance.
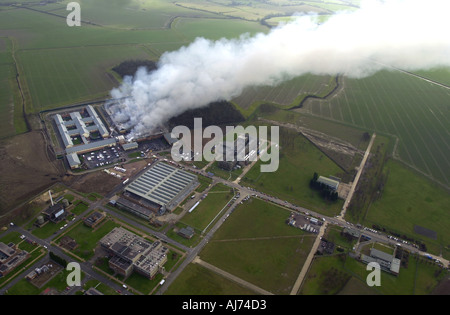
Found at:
(407, 34)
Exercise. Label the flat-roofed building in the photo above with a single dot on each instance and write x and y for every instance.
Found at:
(386, 261)
(94, 219)
(163, 185)
(134, 253)
(11, 257)
(186, 232)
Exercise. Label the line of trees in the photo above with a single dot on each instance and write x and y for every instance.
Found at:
(58, 259)
(216, 113)
(325, 191)
(129, 67)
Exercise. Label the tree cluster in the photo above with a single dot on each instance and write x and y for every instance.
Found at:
(58, 259)
(129, 67)
(216, 113)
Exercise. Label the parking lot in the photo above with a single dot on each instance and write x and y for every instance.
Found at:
(116, 154)
(106, 156)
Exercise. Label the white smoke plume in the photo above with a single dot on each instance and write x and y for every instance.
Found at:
(406, 34)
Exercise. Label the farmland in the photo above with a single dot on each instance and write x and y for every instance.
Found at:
(72, 75)
(403, 106)
(287, 94)
(60, 65)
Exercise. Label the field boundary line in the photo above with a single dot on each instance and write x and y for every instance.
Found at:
(261, 238)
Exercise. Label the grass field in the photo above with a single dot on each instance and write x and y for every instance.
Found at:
(257, 245)
(60, 76)
(197, 280)
(87, 238)
(401, 105)
(419, 278)
(299, 159)
(400, 199)
(333, 234)
(218, 196)
(58, 282)
(348, 277)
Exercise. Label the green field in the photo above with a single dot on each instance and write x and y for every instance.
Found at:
(57, 77)
(299, 159)
(87, 238)
(203, 215)
(256, 244)
(404, 106)
(400, 199)
(344, 275)
(197, 280)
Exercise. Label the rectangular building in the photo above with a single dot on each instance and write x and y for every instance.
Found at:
(163, 185)
(130, 146)
(74, 161)
(97, 121)
(386, 261)
(330, 183)
(134, 253)
(94, 219)
(92, 146)
(63, 132)
(11, 257)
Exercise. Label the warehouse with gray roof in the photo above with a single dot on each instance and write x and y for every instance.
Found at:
(330, 183)
(163, 186)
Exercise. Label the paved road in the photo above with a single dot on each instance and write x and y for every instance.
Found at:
(85, 267)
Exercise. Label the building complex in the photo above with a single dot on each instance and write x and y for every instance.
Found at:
(85, 124)
(134, 253)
